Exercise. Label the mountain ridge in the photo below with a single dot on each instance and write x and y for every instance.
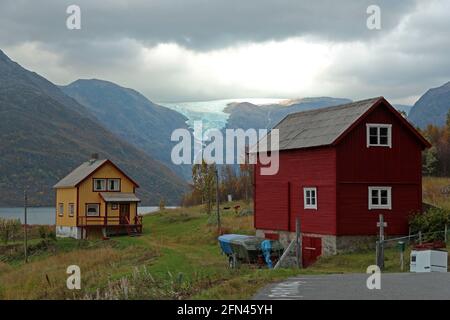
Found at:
(268, 115)
(131, 116)
(45, 134)
(432, 107)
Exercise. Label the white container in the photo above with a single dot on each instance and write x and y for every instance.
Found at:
(428, 261)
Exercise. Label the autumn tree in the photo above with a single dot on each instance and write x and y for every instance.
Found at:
(430, 162)
(436, 160)
(229, 182)
(246, 180)
(204, 181)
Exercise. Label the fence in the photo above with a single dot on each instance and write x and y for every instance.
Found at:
(418, 238)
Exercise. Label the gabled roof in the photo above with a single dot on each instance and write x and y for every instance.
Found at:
(86, 169)
(326, 126)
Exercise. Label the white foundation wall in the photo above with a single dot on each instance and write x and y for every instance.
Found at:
(285, 237)
(68, 232)
(331, 245)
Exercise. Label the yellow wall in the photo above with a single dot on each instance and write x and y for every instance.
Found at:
(87, 195)
(113, 213)
(66, 196)
(133, 211)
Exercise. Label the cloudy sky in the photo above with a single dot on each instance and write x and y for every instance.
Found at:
(191, 50)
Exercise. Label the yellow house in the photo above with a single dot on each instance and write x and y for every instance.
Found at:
(97, 198)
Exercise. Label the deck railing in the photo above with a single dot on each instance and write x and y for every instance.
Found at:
(107, 221)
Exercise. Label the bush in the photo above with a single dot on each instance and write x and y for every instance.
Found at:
(431, 223)
(46, 233)
(162, 204)
(52, 235)
(9, 228)
(42, 232)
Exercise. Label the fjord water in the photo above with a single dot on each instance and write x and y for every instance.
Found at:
(46, 215)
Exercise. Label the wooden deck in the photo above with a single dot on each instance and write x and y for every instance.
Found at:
(113, 225)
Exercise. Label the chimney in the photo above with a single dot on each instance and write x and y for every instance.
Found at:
(94, 157)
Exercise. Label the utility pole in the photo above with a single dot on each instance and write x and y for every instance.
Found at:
(25, 226)
(219, 227)
(380, 252)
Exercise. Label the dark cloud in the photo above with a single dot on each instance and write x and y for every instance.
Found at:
(198, 24)
(121, 41)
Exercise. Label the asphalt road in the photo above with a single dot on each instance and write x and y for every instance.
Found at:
(394, 286)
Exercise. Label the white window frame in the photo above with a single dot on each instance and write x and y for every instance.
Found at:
(310, 206)
(61, 209)
(378, 126)
(71, 209)
(387, 206)
(95, 184)
(118, 185)
(91, 205)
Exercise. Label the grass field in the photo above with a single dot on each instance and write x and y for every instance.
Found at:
(177, 257)
(178, 250)
(433, 191)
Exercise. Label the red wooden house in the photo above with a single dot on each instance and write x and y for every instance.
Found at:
(340, 167)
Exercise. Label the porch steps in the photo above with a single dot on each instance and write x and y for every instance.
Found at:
(133, 232)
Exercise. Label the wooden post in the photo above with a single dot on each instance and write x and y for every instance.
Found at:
(401, 260)
(377, 253)
(298, 242)
(219, 227)
(380, 252)
(445, 234)
(420, 237)
(25, 199)
(285, 254)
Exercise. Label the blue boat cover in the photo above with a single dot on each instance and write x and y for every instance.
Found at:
(226, 239)
(266, 247)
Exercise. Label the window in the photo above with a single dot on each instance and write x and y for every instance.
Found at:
(61, 209)
(71, 209)
(92, 210)
(310, 198)
(113, 184)
(379, 135)
(380, 198)
(99, 184)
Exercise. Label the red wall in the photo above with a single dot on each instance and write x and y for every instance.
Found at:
(314, 167)
(360, 167)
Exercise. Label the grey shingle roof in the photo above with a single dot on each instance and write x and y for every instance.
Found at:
(79, 174)
(318, 127)
(119, 197)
